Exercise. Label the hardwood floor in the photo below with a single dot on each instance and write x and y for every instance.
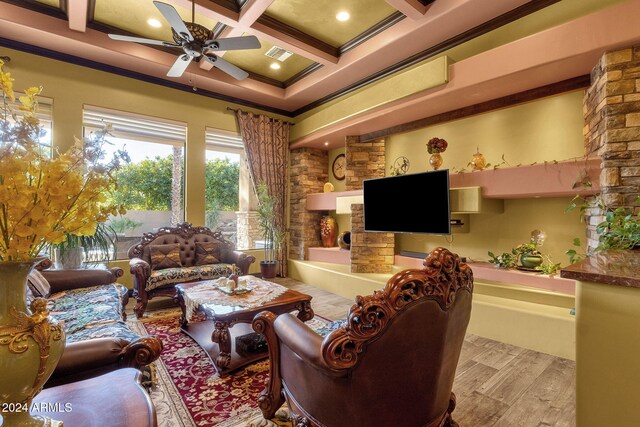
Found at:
(496, 384)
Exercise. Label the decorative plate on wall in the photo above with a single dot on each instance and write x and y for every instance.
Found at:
(339, 167)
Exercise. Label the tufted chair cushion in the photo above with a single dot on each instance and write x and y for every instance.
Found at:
(187, 247)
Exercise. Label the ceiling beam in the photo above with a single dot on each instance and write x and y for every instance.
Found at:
(249, 14)
(313, 49)
(413, 9)
(77, 12)
(252, 10)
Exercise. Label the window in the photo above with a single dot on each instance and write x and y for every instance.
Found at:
(229, 199)
(151, 186)
(44, 114)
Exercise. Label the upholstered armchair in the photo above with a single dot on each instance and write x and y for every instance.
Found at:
(181, 254)
(392, 363)
(91, 306)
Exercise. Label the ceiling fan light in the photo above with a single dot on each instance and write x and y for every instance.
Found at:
(153, 22)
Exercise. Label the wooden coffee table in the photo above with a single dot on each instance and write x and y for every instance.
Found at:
(216, 335)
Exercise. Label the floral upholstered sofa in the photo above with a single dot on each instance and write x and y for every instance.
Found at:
(91, 306)
(181, 254)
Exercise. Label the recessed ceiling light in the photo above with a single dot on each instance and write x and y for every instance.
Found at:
(274, 66)
(343, 16)
(154, 22)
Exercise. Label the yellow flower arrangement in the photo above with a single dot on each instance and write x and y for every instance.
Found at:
(42, 199)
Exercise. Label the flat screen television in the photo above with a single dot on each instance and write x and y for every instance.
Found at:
(415, 203)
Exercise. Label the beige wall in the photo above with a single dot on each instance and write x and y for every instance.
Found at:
(544, 130)
(72, 86)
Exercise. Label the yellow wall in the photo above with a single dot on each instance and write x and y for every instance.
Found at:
(72, 86)
(424, 76)
(548, 129)
(607, 347)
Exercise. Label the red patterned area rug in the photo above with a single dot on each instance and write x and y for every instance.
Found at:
(189, 392)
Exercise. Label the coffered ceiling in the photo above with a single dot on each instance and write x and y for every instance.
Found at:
(329, 57)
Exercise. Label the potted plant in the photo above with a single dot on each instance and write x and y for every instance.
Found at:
(528, 254)
(74, 250)
(272, 232)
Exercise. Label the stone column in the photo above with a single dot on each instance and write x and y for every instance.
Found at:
(308, 174)
(370, 252)
(612, 130)
(248, 229)
(365, 160)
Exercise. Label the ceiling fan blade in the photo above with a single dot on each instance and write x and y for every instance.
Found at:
(141, 40)
(172, 16)
(227, 67)
(179, 66)
(233, 43)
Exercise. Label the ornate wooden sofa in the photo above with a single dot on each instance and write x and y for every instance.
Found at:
(392, 363)
(91, 306)
(186, 254)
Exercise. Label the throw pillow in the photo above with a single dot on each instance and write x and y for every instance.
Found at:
(38, 284)
(207, 253)
(165, 256)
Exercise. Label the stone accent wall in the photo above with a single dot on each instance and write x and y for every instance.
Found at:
(365, 160)
(612, 130)
(308, 174)
(370, 252)
(248, 229)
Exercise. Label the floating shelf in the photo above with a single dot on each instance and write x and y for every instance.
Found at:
(327, 201)
(487, 271)
(542, 180)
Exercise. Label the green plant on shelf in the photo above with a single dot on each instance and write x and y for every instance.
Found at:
(548, 266)
(506, 260)
(574, 255)
(620, 228)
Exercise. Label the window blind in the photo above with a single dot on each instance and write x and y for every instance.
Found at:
(221, 140)
(135, 126)
(45, 109)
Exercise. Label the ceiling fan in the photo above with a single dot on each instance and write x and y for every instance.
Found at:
(197, 42)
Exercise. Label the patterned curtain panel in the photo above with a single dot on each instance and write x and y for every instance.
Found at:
(266, 143)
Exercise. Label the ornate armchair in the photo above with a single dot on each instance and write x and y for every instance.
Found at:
(180, 254)
(393, 363)
(91, 306)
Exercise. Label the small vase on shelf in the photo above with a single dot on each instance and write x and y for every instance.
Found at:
(328, 231)
(344, 240)
(435, 160)
(435, 147)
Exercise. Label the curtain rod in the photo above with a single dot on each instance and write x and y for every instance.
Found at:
(235, 110)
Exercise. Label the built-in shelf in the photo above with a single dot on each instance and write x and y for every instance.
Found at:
(333, 255)
(540, 180)
(471, 191)
(463, 201)
(327, 201)
(488, 271)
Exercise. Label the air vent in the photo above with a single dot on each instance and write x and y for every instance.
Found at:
(278, 53)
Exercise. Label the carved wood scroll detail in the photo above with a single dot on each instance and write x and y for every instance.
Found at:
(184, 230)
(443, 276)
